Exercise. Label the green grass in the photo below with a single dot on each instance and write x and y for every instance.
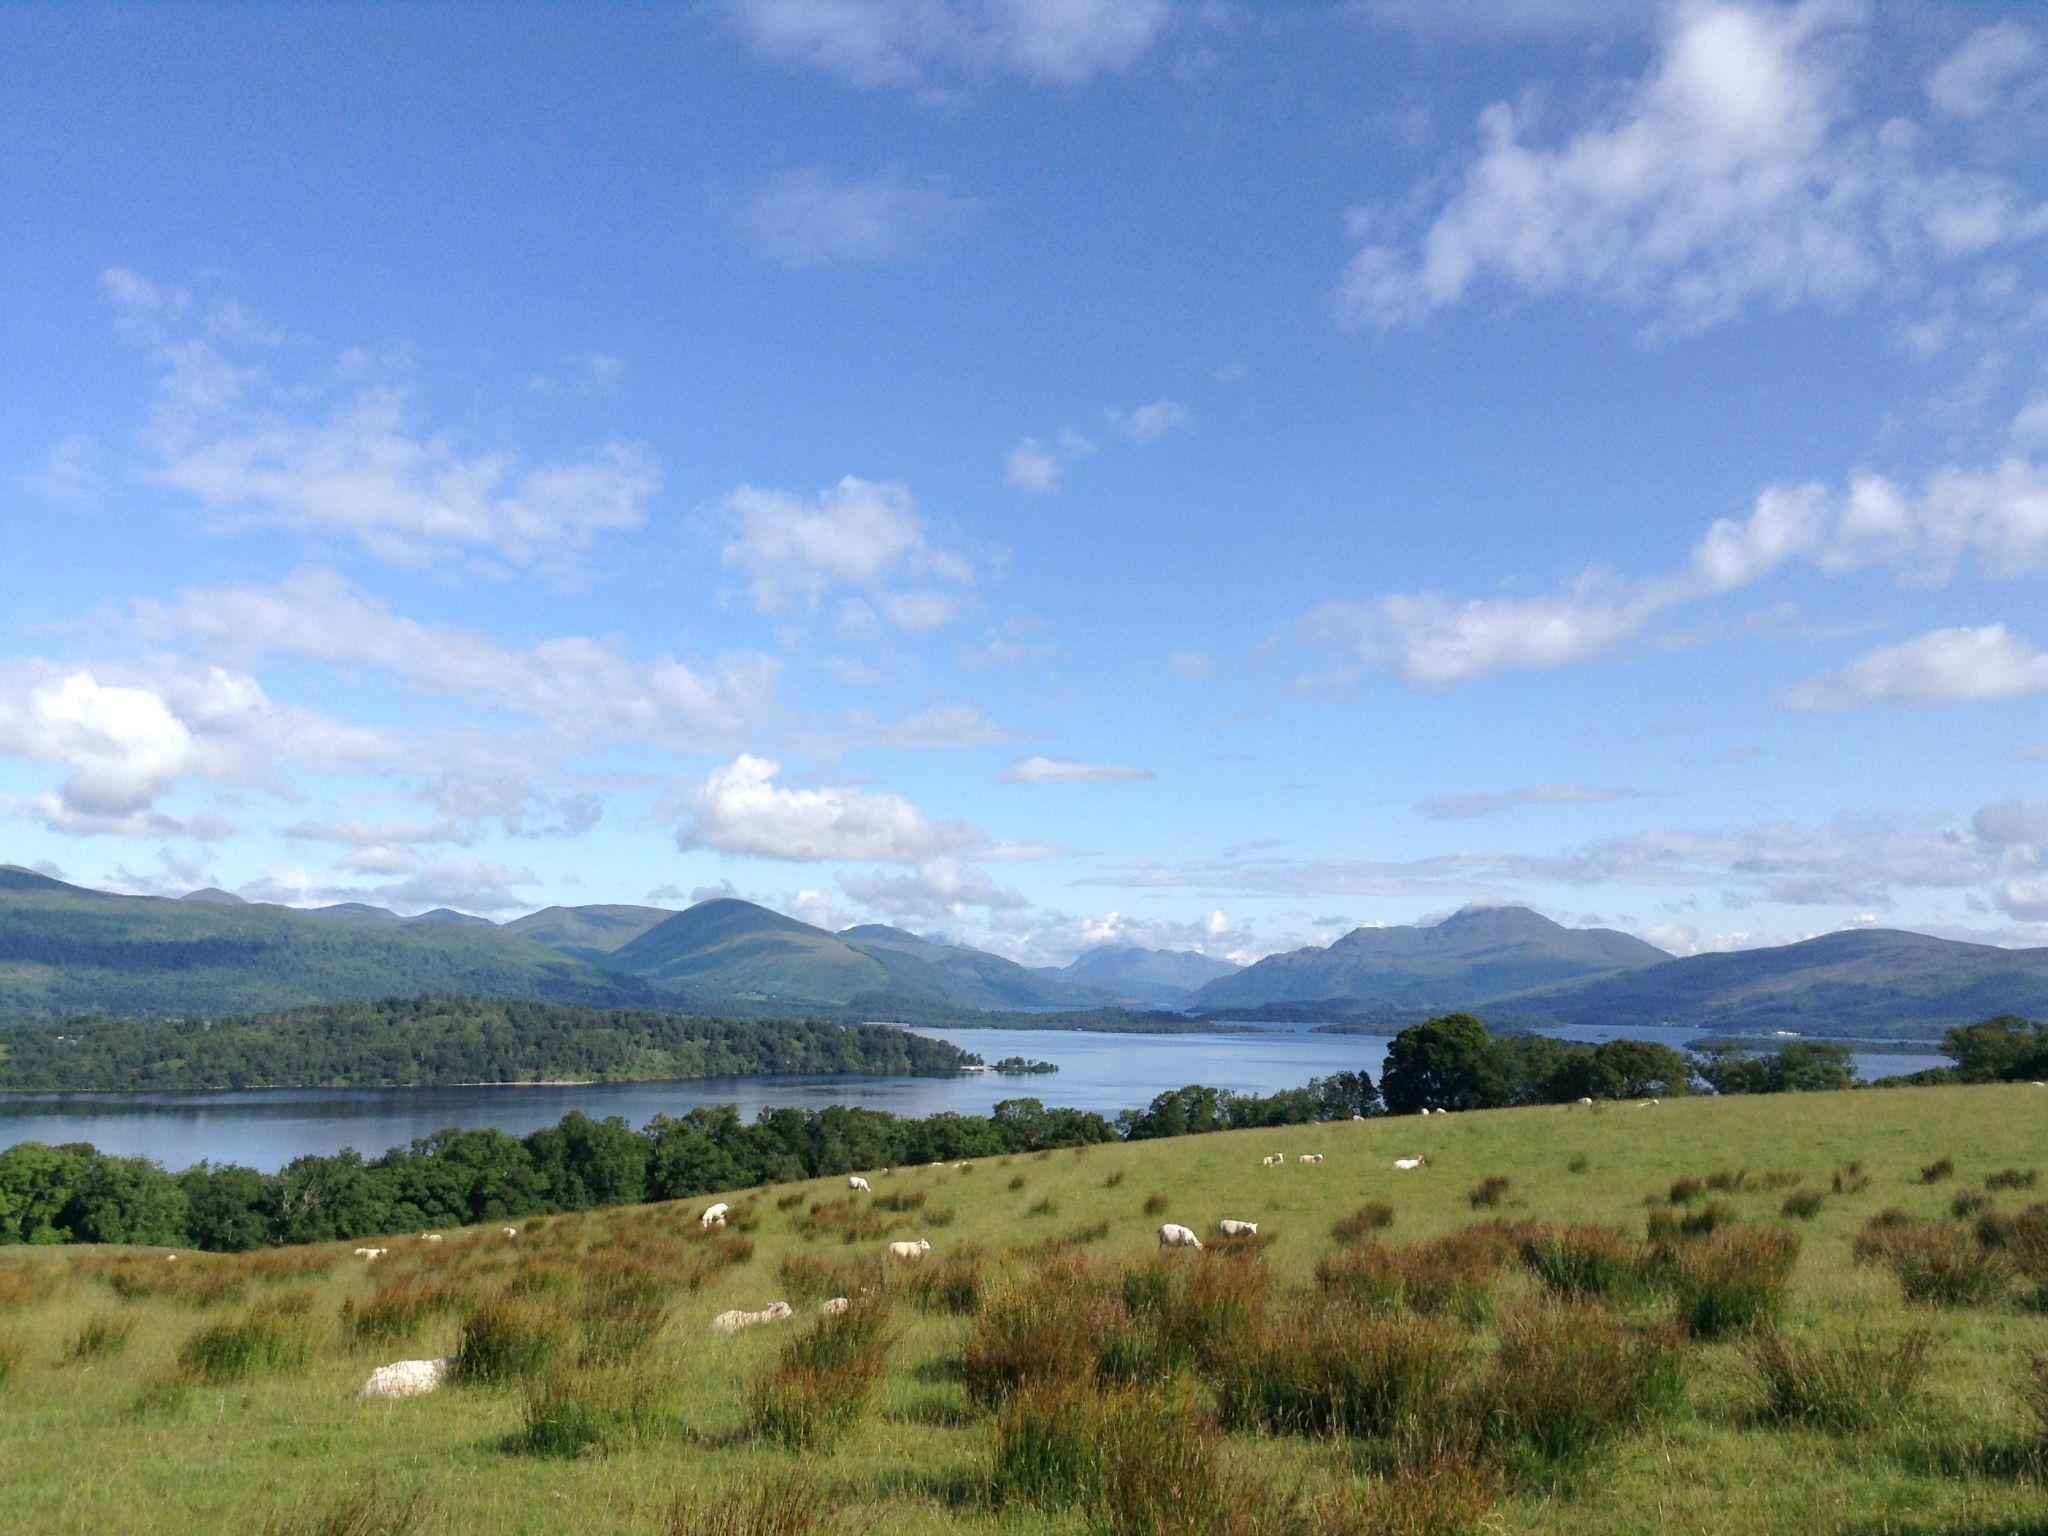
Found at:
(1511, 1373)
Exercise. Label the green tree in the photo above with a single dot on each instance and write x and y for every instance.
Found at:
(1641, 1069)
(124, 1200)
(227, 1207)
(1998, 1050)
(36, 1182)
(1451, 1062)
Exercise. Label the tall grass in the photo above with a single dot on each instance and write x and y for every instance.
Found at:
(1842, 1385)
(398, 1307)
(505, 1340)
(367, 1511)
(575, 1412)
(100, 1338)
(1337, 1369)
(12, 1353)
(1575, 1262)
(1936, 1265)
(1733, 1279)
(2012, 1178)
(1373, 1216)
(236, 1349)
(1049, 1328)
(1488, 1192)
(1802, 1204)
(789, 1504)
(820, 1386)
(1568, 1375)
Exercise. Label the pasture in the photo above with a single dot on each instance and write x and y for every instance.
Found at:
(1448, 1348)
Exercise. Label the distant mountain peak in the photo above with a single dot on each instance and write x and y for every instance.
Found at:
(215, 896)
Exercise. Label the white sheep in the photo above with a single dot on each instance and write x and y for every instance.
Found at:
(916, 1250)
(714, 1215)
(1427, 1110)
(406, 1378)
(1585, 1103)
(1174, 1235)
(371, 1255)
(430, 1237)
(1310, 1157)
(508, 1231)
(1271, 1160)
(857, 1182)
(739, 1318)
(963, 1163)
(1405, 1164)
(1358, 1119)
(1231, 1228)
(834, 1307)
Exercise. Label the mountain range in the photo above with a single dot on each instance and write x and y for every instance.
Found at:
(66, 950)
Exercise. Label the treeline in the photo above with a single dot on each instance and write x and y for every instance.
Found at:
(2005, 1049)
(416, 1042)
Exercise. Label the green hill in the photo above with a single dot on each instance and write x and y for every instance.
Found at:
(1149, 977)
(1466, 961)
(968, 978)
(65, 951)
(727, 948)
(589, 933)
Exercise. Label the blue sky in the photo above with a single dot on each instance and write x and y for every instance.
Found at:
(1040, 471)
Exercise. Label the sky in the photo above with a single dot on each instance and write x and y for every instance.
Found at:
(1038, 472)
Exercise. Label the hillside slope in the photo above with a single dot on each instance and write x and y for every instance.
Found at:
(1154, 977)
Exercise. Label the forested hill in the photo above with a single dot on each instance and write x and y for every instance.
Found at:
(441, 1040)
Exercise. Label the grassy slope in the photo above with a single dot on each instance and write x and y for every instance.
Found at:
(80, 1461)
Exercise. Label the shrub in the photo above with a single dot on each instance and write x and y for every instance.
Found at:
(505, 1340)
(1045, 1207)
(1449, 1494)
(790, 1201)
(1727, 1181)
(1733, 1279)
(951, 1282)
(2013, 1178)
(1966, 1204)
(1182, 1314)
(574, 1412)
(788, 1506)
(1048, 1328)
(1840, 1386)
(1154, 1204)
(1802, 1205)
(1850, 1179)
(396, 1308)
(1488, 1192)
(1579, 1163)
(1580, 1261)
(901, 1200)
(1941, 1168)
(1338, 1369)
(2022, 1236)
(1373, 1216)
(1685, 1191)
(821, 1384)
(1568, 1375)
(100, 1338)
(1016, 1181)
(1114, 1179)
(235, 1349)
(618, 1325)
(1935, 1265)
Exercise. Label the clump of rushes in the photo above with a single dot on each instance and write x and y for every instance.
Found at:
(1580, 1261)
(397, 1308)
(575, 1412)
(902, 1200)
(810, 1277)
(235, 1349)
(1966, 1204)
(1733, 1279)
(2034, 1393)
(100, 1338)
(1373, 1216)
(2012, 1178)
(1579, 1163)
(1941, 1168)
(1850, 1179)
(11, 1355)
(1726, 1181)
(2022, 1237)
(1448, 1493)
(1935, 1265)
(1686, 1190)
(820, 1386)
(1802, 1205)
(1569, 1375)
(1183, 1314)
(1781, 1178)
(1047, 1328)
(1016, 1181)
(506, 1340)
(951, 1282)
(1154, 1204)
(1843, 1386)
(1113, 1180)
(1488, 1192)
(790, 1505)
(364, 1512)
(1336, 1369)
(790, 1201)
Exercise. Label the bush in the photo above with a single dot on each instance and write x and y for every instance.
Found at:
(1373, 1216)
(1802, 1205)
(1579, 1163)
(1049, 1328)
(237, 1348)
(789, 1506)
(1183, 1314)
(1966, 1204)
(2013, 1178)
(1569, 1375)
(1114, 1179)
(1154, 1204)
(822, 1383)
(1685, 1191)
(574, 1412)
(1850, 1179)
(1727, 1181)
(100, 1338)
(901, 1200)
(1581, 1261)
(1016, 1181)
(1045, 1207)
(1733, 1279)
(1839, 1386)
(2022, 1236)
(1939, 1169)
(505, 1340)
(1935, 1265)
(790, 1201)
(397, 1308)
(951, 1282)
(1488, 1192)
(1337, 1369)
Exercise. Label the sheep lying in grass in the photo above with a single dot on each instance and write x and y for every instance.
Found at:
(508, 1231)
(407, 1378)
(1406, 1164)
(1273, 1160)
(1231, 1228)
(739, 1318)
(1173, 1235)
(834, 1307)
(371, 1254)
(430, 1237)
(1310, 1157)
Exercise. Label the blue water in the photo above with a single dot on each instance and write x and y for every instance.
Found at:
(267, 1128)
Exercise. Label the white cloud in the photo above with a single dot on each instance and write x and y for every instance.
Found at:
(942, 727)
(939, 890)
(1149, 423)
(1973, 80)
(121, 747)
(352, 460)
(70, 473)
(1052, 770)
(1730, 175)
(740, 809)
(807, 219)
(1468, 806)
(2013, 823)
(937, 45)
(1946, 666)
(1033, 468)
(859, 534)
(1036, 467)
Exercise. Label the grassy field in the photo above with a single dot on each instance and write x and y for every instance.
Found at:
(1046, 1368)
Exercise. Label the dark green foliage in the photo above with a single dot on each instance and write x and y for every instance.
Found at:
(2012, 1178)
(1488, 1192)
(1939, 1169)
(98, 1338)
(1447, 1063)
(401, 1042)
(1843, 1386)
(1802, 1204)
(505, 1340)
(1195, 1109)
(2005, 1049)
(1800, 1066)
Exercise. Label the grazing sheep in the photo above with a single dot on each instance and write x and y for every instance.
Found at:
(834, 1307)
(916, 1250)
(714, 1215)
(1585, 1103)
(857, 1182)
(1271, 1160)
(1360, 1119)
(430, 1237)
(963, 1163)
(1310, 1157)
(1647, 1104)
(508, 1231)
(1231, 1228)
(1173, 1235)
(1426, 1110)
(739, 1318)
(406, 1378)
(170, 1258)
(1407, 1163)
(371, 1254)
